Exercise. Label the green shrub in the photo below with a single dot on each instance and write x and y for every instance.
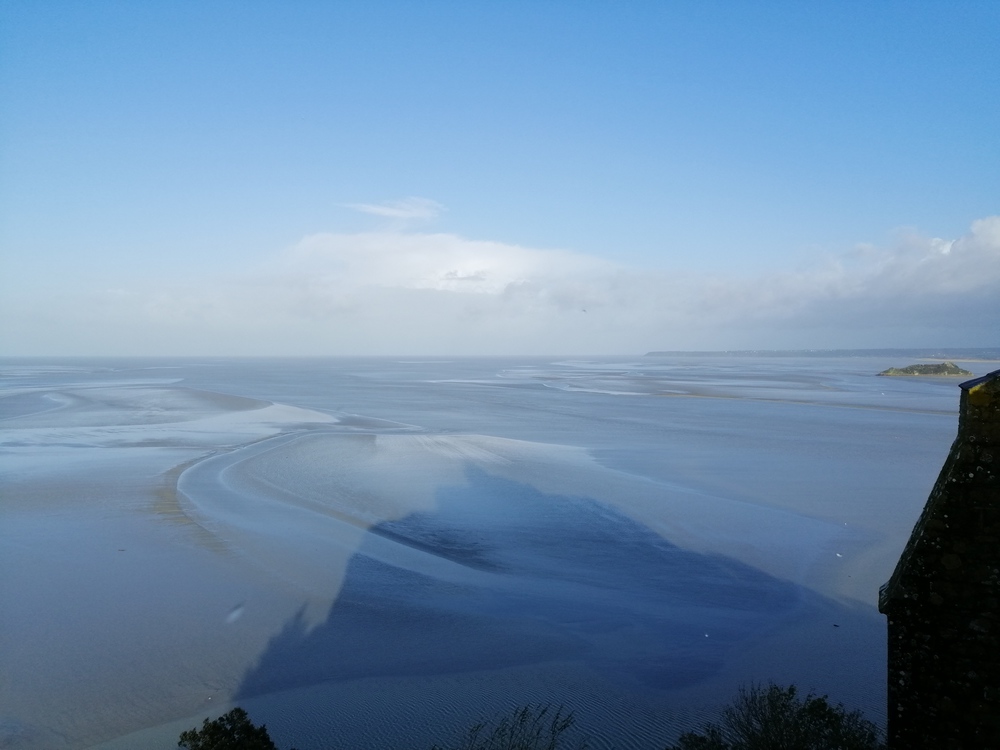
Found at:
(527, 728)
(775, 718)
(232, 731)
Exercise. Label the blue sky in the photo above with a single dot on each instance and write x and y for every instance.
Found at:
(497, 177)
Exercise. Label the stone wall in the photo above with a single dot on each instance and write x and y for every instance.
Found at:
(943, 600)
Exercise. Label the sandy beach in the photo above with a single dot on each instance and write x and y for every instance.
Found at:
(365, 576)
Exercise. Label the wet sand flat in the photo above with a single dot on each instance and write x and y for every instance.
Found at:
(417, 545)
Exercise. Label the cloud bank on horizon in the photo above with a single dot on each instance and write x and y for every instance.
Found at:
(402, 290)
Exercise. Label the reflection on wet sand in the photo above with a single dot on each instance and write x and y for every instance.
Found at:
(169, 549)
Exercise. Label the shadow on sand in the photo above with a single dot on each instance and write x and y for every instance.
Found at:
(541, 578)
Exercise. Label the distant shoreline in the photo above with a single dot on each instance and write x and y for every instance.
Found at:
(970, 354)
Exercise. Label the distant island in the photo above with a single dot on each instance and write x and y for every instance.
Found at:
(944, 368)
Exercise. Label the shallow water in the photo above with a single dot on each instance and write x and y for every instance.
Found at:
(375, 552)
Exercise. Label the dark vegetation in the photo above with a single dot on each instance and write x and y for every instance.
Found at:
(776, 718)
(528, 728)
(232, 731)
(760, 718)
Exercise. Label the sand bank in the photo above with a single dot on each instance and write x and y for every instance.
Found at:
(175, 549)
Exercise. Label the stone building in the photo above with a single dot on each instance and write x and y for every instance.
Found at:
(943, 600)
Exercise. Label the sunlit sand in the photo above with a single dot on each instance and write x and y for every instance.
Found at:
(171, 551)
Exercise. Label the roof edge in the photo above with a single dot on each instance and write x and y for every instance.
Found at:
(968, 384)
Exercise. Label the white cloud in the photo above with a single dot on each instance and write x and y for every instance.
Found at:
(442, 262)
(414, 292)
(408, 209)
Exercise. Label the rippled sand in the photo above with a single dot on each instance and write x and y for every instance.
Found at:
(169, 551)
